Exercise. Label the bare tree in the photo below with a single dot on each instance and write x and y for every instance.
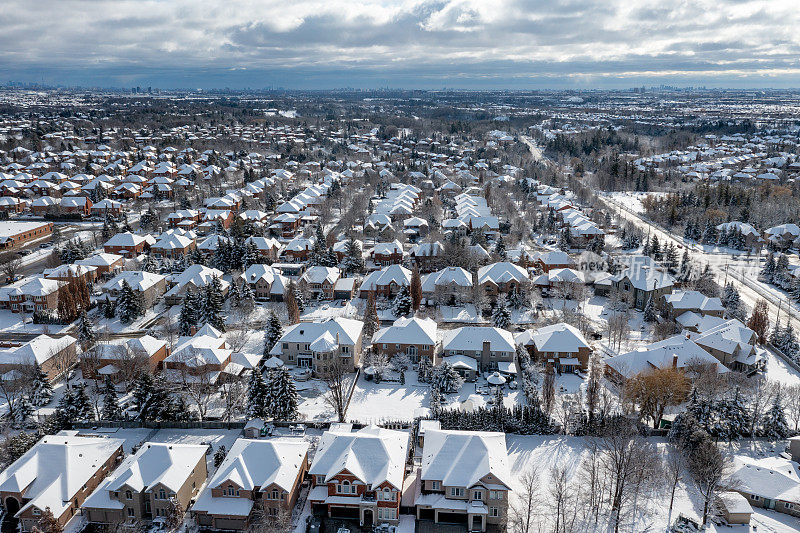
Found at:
(263, 522)
(674, 467)
(131, 363)
(523, 510)
(792, 398)
(10, 263)
(197, 381)
(232, 393)
(562, 496)
(335, 377)
(709, 469)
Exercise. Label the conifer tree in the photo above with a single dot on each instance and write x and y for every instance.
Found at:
(127, 304)
(353, 260)
(371, 324)
(246, 298)
(273, 332)
(86, 335)
(416, 289)
(190, 314)
(649, 311)
(775, 426)
(282, 394)
(111, 409)
(257, 396)
(83, 406)
(41, 391)
(501, 316)
(212, 304)
(424, 369)
(401, 305)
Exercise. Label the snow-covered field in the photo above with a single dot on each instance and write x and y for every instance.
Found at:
(386, 401)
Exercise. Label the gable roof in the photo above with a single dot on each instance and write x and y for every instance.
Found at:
(463, 458)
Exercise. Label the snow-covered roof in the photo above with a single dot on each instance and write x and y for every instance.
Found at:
(471, 338)
(502, 272)
(560, 337)
(38, 350)
(675, 351)
(139, 280)
(776, 480)
(408, 331)
(372, 454)
(693, 300)
(344, 331)
(55, 469)
(465, 458)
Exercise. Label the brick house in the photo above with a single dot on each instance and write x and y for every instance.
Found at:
(415, 337)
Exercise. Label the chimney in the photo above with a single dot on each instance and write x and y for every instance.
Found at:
(675, 361)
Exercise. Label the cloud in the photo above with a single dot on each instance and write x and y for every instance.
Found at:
(515, 43)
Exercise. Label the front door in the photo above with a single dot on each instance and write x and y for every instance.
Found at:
(367, 517)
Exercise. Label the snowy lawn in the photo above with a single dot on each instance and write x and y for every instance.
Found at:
(132, 436)
(311, 395)
(13, 323)
(387, 401)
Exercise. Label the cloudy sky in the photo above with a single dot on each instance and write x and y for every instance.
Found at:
(401, 43)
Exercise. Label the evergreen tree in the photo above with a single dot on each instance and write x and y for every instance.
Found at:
(219, 455)
(273, 332)
(768, 271)
(127, 304)
(671, 257)
(67, 408)
(775, 426)
(190, 314)
(282, 394)
(150, 264)
(649, 311)
(736, 417)
(234, 296)
(111, 409)
(500, 248)
(401, 305)
(415, 289)
(23, 411)
(515, 298)
(86, 335)
(212, 304)
(41, 391)
(501, 316)
(257, 396)
(246, 298)
(424, 369)
(353, 260)
(655, 248)
(446, 379)
(83, 406)
(143, 395)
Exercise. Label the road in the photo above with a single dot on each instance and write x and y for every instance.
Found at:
(536, 152)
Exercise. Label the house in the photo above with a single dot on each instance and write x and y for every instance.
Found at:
(37, 294)
(108, 360)
(734, 507)
(193, 279)
(751, 237)
(770, 483)
(269, 472)
(267, 248)
(78, 205)
(733, 344)
(387, 253)
(560, 346)
(54, 355)
(106, 206)
(678, 352)
(465, 478)
(385, 282)
(107, 265)
(72, 272)
(502, 277)
(205, 354)
(128, 244)
(145, 484)
(298, 250)
(172, 245)
(265, 282)
(549, 260)
(449, 286)
(320, 281)
(315, 345)
(680, 302)
(344, 289)
(359, 474)
(150, 286)
(415, 337)
(426, 255)
(487, 346)
(639, 284)
(58, 473)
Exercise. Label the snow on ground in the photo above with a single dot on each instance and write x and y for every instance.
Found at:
(778, 370)
(13, 323)
(631, 200)
(541, 453)
(336, 309)
(466, 313)
(388, 401)
(131, 436)
(311, 394)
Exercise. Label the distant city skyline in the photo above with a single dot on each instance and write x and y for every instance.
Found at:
(426, 44)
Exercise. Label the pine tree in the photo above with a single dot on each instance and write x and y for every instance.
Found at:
(41, 391)
(446, 379)
(768, 271)
(424, 369)
(83, 406)
(655, 248)
(234, 296)
(219, 455)
(649, 311)
(353, 260)
(501, 316)
(515, 298)
(190, 314)
(127, 304)
(257, 396)
(23, 411)
(775, 426)
(500, 248)
(111, 409)
(671, 257)
(67, 408)
(212, 304)
(273, 332)
(282, 395)
(143, 393)
(401, 305)
(246, 298)
(150, 264)
(86, 335)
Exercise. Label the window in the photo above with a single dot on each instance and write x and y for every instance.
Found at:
(788, 505)
(345, 349)
(285, 345)
(128, 495)
(435, 485)
(456, 492)
(36, 512)
(130, 511)
(162, 494)
(755, 498)
(386, 495)
(477, 495)
(231, 491)
(390, 514)
(494, 511)
(273, 495)
(345, 488)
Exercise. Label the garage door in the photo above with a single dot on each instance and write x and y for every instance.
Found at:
(453, 518)
(345, 512)
(426, 514)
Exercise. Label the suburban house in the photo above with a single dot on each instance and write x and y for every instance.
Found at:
(359, 474)
(502, 277)
(550, 260)
(265, 282)
(385, 282)
(415, 337)
(680, 302)
(206, 356)
(487, 346)
(58, 473)
(72, 272)
(54, 355)
(641, 283)
(769, 483)
(449, 286)
(105, 361)
(733, 344)
(107, 265)
(320, 280)
(464, 478)
(128, 244)
(560, 346)
(150, 286)
(387, 253)
(144, 486)
(316, 345)
(265, 472)
(37, 294)
(426, 255)
(678, 352)
(193, 279)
